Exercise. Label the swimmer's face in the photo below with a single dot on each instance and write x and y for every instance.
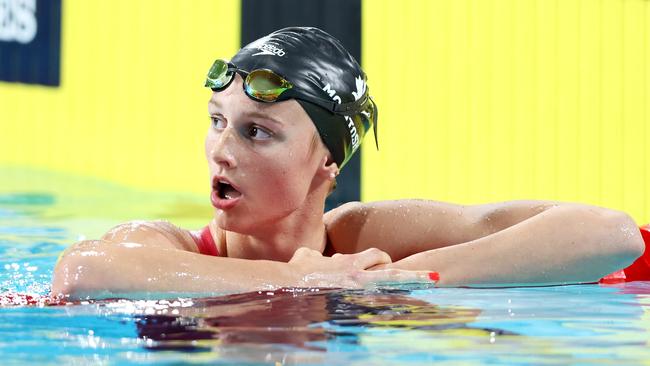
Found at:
(269, 152)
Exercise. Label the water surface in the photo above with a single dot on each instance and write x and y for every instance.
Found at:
(576, 325)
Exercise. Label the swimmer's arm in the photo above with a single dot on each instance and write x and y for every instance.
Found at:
(563, 244)
(139, 257)
(143, 260)
(101, 269)
(521, 242)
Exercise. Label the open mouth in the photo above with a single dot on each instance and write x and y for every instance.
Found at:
(226, 191)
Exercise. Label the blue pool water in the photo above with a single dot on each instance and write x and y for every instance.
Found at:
(576, 325)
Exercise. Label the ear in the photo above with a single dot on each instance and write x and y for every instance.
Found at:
(328, 169)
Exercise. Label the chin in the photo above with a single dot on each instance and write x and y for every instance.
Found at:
(225, 221)
(230, 221)
(244, 222)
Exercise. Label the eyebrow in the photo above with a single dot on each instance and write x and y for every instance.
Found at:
(264, 116)
(251, 113)
(214, 103)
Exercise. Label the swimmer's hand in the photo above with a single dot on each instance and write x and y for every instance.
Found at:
(351, 270)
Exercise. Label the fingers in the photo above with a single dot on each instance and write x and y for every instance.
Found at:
(398, 275)
(303, 253)
(379, 266)
(370, 258)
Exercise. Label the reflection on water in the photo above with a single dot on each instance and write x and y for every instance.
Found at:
(593, 324)
(295, 317)
(310, 326)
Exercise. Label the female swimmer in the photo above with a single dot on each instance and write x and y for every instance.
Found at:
(286, 113)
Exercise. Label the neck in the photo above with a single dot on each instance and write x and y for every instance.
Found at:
(278, 240)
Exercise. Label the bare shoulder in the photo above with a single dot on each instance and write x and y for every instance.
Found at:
(336, 214)
(157, 233)
(354, 214)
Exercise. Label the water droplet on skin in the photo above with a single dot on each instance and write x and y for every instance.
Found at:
(629, 233)
(131, 245)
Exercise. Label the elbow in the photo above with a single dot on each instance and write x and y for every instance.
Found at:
(632, 238)
(623, 238)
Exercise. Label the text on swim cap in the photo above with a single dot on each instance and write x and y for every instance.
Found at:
(332, 93)
(354, 135)
(269, 49)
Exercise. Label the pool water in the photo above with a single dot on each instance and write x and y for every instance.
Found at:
(410, 325)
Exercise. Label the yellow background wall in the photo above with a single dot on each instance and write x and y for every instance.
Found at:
(510, 99)
(480, 100)
(131, 107)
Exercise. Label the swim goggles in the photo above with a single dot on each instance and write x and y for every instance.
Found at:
(264, 85)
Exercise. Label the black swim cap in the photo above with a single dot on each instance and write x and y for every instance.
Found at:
(318, 66)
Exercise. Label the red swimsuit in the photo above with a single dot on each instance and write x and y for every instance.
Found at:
(205, 242)
(637, 271)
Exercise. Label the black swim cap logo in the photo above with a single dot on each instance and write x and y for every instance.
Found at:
(270, 50)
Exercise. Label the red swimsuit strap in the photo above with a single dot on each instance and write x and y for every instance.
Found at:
(205, 242)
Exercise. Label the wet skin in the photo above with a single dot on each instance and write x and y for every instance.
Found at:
(271, 232)
(270, 152)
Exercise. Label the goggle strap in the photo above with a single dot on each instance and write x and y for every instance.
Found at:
(374, 123)
(347, 108)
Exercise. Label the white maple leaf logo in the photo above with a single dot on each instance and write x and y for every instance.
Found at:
(361, 88)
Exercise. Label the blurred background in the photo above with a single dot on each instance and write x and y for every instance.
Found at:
(480, 100)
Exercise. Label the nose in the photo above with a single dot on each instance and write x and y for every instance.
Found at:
(221, 149)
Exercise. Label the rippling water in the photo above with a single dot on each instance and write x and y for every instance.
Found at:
(589, 324)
